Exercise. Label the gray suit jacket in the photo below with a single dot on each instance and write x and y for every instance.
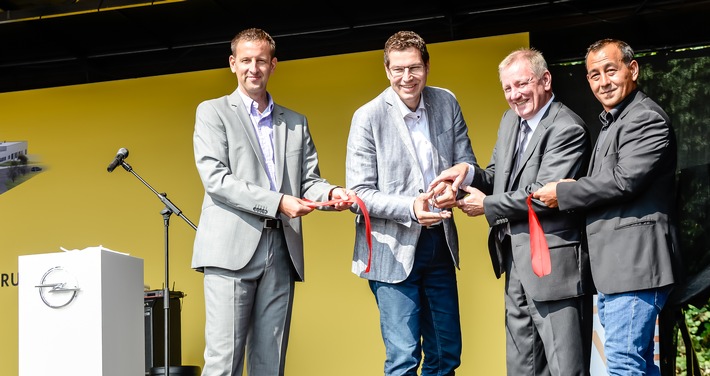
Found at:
(237, 195)
(629, 197)
(382, 167)
(559, 148)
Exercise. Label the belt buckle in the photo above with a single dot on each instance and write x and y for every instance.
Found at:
(272, 223)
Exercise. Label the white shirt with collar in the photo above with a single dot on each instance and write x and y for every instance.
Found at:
(264, 127)
(418, 125)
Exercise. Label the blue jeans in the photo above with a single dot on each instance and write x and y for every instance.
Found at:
(629, 321)
(421, 313)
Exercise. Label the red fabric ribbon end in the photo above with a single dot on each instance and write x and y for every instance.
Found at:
(368, 231)
(539, 251)
(365, 214)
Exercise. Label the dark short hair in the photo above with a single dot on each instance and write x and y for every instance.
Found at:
(627, 53)
(253, 34)
(403, 40)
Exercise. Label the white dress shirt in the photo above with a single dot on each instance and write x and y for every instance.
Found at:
(265, 132)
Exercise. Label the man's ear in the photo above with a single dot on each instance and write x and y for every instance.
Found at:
(547, 80)
(634, 68)
(232, 63)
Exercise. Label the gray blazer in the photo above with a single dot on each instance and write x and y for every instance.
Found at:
(237, 195)
(382, 168)
(629, 197)
(559, 148)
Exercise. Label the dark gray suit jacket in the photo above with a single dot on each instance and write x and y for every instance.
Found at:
(559, 148)
(629, 198)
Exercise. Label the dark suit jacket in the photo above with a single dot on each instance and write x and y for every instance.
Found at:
(237, 191)
(629, 199)
(559, 148)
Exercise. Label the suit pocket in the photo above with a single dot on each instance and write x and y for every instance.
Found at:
(635, 223)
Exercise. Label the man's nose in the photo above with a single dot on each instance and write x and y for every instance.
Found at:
(604, 80)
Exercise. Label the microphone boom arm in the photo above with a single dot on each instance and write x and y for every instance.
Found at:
(162, 196)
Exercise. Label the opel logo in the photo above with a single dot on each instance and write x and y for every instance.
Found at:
(57, 288)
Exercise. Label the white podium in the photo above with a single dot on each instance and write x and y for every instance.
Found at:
(81, 314)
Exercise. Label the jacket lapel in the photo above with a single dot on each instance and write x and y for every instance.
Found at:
(435, 122)
(243, 119)
(279, 124)
(509, 158)
(542, 126)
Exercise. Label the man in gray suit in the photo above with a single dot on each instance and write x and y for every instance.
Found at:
(548, 318)
(256, 160)
(398, 143)
(628, 198)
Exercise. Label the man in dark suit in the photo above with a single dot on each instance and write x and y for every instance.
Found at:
(256, 160)
(548, 318)
(628, 200)
(397, 144)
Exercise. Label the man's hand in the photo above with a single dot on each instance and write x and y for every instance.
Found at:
(294, 207)
(342, 194)
(454, 174)
(425, 216)
(446, 198)
(548, 193)
(473, 203)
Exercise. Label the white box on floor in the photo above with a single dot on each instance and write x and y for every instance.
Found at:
(81, 313)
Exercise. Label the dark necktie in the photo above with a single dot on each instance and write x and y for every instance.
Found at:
(539, 251)
(520, 149)
(503, 229)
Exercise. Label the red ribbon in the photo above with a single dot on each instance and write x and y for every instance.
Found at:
(361, 205)
(539, 251)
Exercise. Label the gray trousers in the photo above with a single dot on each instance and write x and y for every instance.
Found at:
(545, 337)
(250, 310)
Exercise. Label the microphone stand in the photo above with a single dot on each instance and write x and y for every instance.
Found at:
(169, 209)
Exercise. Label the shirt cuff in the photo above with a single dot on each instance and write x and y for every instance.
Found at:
(469, 175)
(411, 211)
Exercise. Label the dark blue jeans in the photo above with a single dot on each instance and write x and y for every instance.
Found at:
(421, 313)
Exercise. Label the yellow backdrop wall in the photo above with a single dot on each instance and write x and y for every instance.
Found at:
(75, 131)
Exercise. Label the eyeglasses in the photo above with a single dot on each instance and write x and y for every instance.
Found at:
(414, 70)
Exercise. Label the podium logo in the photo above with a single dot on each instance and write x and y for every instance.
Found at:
(58, 288)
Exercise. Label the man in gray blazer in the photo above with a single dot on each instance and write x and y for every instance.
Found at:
(398, 143)
(548, 318)
(628, 198)
(256, 160)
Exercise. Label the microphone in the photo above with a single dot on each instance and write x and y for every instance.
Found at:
(120, 156)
